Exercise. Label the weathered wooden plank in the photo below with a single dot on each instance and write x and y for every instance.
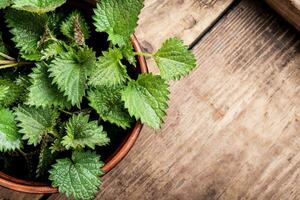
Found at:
(233, 125)
(186, 19)
(289, 9)
(6, 194)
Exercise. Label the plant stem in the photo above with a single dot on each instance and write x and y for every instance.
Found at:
(129, 79)
(6, 56)
(12, 64)
(22, 153)
(4, 62)
(66, 112)
(143, 54)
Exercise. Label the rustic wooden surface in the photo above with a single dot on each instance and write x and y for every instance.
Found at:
(289, 9)
(232, 130)
(6, 194)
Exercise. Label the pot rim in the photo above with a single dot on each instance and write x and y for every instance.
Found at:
(43, 188)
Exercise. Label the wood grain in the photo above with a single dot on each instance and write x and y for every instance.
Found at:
(232, 130)
(289, 9)
(186, 19)
(6, 194)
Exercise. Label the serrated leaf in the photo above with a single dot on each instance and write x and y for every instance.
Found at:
(42, 93)
(13, 92)
(38, 6)
(57, 146)
(3, 92)
(108, 104)
(174, 59)
(54, 49)
(109, 70)
(10, 139)
(23, 83)
(27, 29)
(70, 71)
(81, 179)
(5, 3)
(118, 18)
(76, 28)
(82, 133)
(34, 122)
(147, 99)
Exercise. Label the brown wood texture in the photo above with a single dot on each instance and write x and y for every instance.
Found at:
(289, 9)
(186, 19)
(232, 130)
(6, 194)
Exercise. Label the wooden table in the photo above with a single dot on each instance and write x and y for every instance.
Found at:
(233, 126)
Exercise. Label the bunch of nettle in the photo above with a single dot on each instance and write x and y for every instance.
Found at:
(57, 94)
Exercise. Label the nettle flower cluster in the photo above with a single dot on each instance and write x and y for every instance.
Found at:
(51, 81)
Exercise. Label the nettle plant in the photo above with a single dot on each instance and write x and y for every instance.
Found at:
(57, 94)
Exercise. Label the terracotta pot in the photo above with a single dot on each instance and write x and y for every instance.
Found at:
(35, 187)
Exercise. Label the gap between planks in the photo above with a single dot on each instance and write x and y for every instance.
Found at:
(232, 130)
(157, 23)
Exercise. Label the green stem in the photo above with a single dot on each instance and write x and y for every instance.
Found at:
(4, 62)
(22, 153)
(129, 79)
(111, 45)
(13, 64)
(143, 54)
(66, 112)
(6, 56)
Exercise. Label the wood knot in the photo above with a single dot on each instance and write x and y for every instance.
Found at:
(207, 3)
(147, 47)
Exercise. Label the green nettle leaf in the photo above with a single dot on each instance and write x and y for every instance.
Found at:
(118, 18)
(38, 6)
(10, 139)
(35, 122)
(12, 94)
(174, 59)
(70, 71)
(23, 83)
(82, 133)
(54, 21)
(109, 70)
(52, 50)
(3, 92)
(76, 28)
(78, 176)
(146, 99)
(4, 3)
(27, 29)
(108, 104)
(57, 146)
(42, 93)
